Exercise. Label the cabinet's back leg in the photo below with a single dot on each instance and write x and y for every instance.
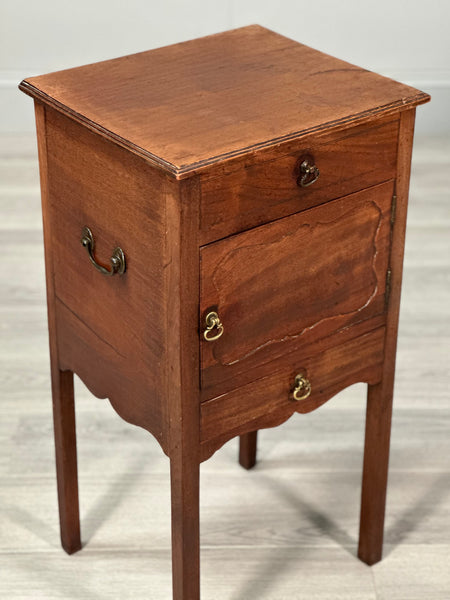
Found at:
(375, 472)
(247, 449)
(66, 459)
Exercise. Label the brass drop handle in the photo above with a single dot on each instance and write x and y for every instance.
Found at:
(117, 259)
(302, 389)
(309, 173)
(214, 327)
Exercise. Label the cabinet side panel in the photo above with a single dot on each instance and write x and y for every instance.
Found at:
(111, 329)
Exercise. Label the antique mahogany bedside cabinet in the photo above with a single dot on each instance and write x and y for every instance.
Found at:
(224, 224)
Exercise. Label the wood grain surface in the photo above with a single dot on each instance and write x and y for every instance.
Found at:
(268, 401)
(284, 285)
(246, 195)
(380, 396)
(191, 105)
(137, 343)
(306, 482)
(64, 427)
(182, 387)
(132, 337)
(113, 331)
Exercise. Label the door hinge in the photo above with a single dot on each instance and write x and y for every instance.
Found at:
(393, 208)
(388, 287)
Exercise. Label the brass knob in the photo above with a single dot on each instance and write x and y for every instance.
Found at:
(309, 173)
(302, 389)
(213, 324)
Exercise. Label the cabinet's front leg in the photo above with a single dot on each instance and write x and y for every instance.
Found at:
(66, 459)
(185, 475)
(375, 472)
(62, 381)
(379, 399)
(247, 449)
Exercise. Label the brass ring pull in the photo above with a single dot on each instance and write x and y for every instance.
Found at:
(117, 259)
(212, 323)
(309, 173)
(302, 389)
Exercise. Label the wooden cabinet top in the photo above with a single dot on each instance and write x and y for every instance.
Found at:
(188, 106)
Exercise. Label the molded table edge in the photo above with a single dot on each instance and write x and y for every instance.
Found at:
(187, 170)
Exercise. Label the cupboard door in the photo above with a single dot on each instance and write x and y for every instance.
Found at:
(290, 283)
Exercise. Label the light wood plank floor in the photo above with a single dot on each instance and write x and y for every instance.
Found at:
(288, 529)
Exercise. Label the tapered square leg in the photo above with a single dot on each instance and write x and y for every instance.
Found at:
(375, 472)
(66, 459)
(247, 449)
(185, 479)
(379, 398)
(62, 381)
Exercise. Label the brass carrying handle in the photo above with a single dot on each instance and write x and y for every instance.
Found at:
(309, 173)
(117, 259)
(212, 323)
(302, 389)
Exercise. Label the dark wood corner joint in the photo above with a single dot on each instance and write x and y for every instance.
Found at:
(263, 248)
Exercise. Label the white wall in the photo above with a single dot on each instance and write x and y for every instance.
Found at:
(408, 40)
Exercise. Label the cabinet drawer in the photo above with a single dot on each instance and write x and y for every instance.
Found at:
(269, 400)
(287, 284)
(348, 161)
